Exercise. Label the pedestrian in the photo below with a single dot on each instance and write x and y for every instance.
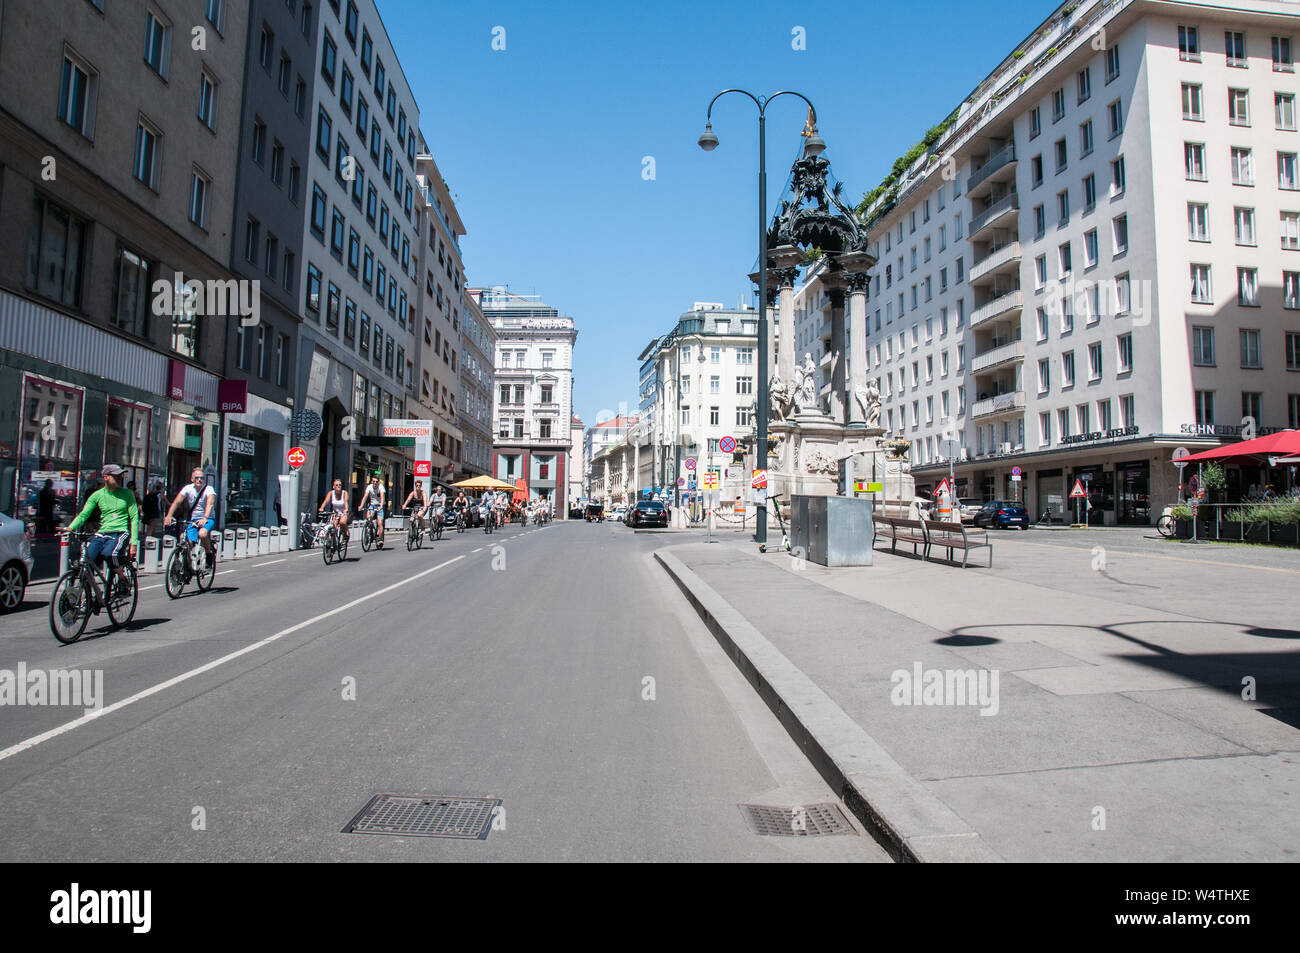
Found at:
(45, 508)
(155, 505)
(279, 517)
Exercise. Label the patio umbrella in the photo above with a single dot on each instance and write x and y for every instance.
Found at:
(1284, 443)
(483, 483)
(521, 489)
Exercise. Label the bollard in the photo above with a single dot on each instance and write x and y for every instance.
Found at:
(63, 553)
(263, 541)
(166, 548)
(241, 543)
(226, 540)
(149, 563)
(275, 540)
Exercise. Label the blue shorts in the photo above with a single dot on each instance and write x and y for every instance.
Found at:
(109, 547)
(192, 529)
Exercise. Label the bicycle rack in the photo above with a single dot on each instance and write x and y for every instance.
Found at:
(165, 552)
(226, 543)
(149, 559)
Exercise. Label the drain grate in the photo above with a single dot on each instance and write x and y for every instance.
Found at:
(459, 818)
(808, 820)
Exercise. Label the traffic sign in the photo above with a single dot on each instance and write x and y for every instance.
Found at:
(296, 457)
(727, 444)
(690, 463)
(681, 481)
(1016, 471)
(760, 479)
(1016, 478)
(1078, 493)
(710, 479)
(1178, 457)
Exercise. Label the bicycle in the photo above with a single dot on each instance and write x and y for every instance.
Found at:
(489, 518)
(414, 532)
(1166, 526)
(335, 545)
(78, 595)
(189, 561)
(460, 519)
(308, 531)
(436, 524)
(368, 532)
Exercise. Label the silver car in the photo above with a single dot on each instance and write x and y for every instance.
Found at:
(15, 562)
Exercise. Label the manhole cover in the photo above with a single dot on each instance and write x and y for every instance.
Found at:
(808, 820)
(462, 818)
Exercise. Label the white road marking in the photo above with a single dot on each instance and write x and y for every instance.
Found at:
(163, 686)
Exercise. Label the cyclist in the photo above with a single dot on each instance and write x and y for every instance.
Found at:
(487, 502)
(119, 523)
(373, 505)
(460, 505)
(437, 504)
(416, 503)
(337, 500)
(201, 499)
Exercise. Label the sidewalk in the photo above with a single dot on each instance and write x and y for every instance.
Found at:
(1116, 728)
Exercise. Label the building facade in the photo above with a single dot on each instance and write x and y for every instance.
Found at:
(533, 405)
(601, 435)
(478, 341)
(118, 167)
(698, 385)
(1097, 260)
(356, 358)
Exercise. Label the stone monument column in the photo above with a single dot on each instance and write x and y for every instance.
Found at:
(835, 285)
(856, 278)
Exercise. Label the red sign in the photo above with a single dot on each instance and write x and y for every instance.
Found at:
(760, 480)
(1078, 493)
(296, 457)
(423, 468)
(232, 397)
(727, 444)
(176, 379)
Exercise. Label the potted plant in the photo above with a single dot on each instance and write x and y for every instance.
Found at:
(898, 449)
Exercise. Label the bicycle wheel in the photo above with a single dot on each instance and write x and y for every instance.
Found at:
(121, 605)
(68, 610)
(419, 538)
(342, 553)
(178, 573)
(1165, 526)
(367, 537)
(205, 568)
(327, 551)
(410, 537)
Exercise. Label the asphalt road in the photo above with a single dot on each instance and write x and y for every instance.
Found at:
(511, 666)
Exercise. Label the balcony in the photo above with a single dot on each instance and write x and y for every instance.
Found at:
(1007, 403)
(1007, 205)
(1004, 158)
(996, 308)
(1015, 351)
(1001, 258)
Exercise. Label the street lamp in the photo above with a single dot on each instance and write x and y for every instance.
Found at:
(813, 145)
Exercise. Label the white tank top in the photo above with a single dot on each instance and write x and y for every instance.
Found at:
(340, 502)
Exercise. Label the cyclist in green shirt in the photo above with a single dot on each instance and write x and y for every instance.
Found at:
(119, 522)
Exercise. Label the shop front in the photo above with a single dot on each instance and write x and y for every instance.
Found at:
(257, 440)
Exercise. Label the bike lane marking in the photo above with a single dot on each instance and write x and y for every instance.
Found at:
(99, 713)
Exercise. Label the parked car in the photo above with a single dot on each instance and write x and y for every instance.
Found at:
(648, 513)
(1002, 514)
(15, 562)
(595, 513)
(620, 511)
(968, 508)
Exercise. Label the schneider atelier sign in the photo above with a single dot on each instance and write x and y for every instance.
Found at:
(1101, 435)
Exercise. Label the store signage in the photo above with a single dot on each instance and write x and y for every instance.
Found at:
(546, 324)
(1102, 435)
(176, 379)
(1225, 430)
(232, 397)
(710, 480)
(760, 479)
(423, 468)
(240, 445)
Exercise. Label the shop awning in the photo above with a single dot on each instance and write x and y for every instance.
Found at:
(1282, 443)
(521, 489)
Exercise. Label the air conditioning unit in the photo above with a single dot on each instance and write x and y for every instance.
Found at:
(964, 455)
(1005, 448)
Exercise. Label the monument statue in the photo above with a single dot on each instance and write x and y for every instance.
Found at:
(806, 386)
(783, 394)
(869, 400)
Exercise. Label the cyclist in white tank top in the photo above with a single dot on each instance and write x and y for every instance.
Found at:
(337, 501)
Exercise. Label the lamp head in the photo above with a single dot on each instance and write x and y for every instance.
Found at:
(708, 141)
(814, 145)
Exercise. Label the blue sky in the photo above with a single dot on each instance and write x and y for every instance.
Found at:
(543, 143)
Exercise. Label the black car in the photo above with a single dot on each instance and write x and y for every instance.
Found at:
(595, 513)
(1002, 514)
(647, 513)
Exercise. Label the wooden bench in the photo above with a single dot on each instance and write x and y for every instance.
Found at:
(907, 531)
(951, 536)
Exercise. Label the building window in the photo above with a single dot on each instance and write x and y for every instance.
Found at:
(1084, 82)
(1115, 113)
(78, 86)
(1286, 171)
(313, 291)
(1244, 225)
(1291, 290)
(1203, 346)
(1238, 107)
(1112, 63)
(1282, 55)
(132, 292)
(1124, 355)
(1117, 180)
(252, 228)
(1198, 222)
(329, 60)
(1192, 106)
(1235, 48)
(157, 42)
(1189, 44)
(259, 141)
(1194, 161)
(318, 207)
(200, 185)
(1248, 287)
(1243, 166)
(148, 154)
(1121, 234)
(1085, 138)
(1201, 284)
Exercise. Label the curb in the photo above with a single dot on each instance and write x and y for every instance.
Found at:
(901, 814)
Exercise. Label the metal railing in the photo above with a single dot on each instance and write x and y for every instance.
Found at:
(1010, 301)
(1001, 404)
(1008, 202)
(1241, 522)
(995, 258)
(998, 160)
(1006, 352)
